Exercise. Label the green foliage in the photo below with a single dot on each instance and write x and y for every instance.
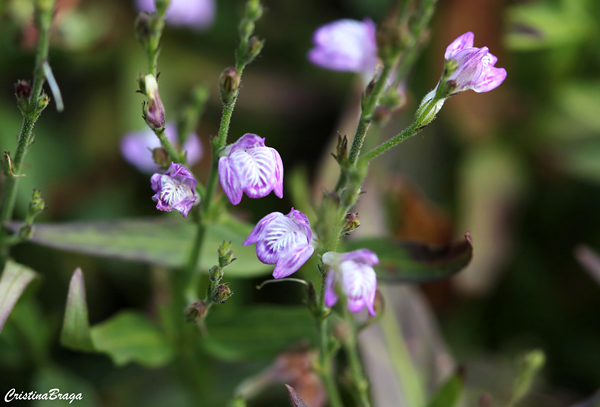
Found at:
(258, 332)
(131, 337)
(449, 393)
(13, 282)
(529, 366)
(157, 241)
(411, 262)
(76, 328)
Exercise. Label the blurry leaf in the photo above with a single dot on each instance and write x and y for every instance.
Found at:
(13, 282)
(164, 242)
(593, 402)
(411, 262)
(80, 391)
(76, 328)
(541, 25)
(449, 393)
(529, 366)
(258, 332)
(296, 400)
(582, 161)
(131, 337)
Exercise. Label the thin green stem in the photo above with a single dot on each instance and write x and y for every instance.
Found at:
(406, 133)
(325, 362)
(351, 346)
(31, 112)
(175, 155)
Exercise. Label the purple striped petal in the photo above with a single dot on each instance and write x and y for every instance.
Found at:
(331, 296)
(175, 190)
(260, 227)
(464, 41)
(493, 79)
(292, 261)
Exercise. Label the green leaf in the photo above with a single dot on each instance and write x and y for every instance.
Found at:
(411, 262)
(131, 337)
(529, 366)
(160, 241)
(76, 328)
(15, 279)
(258, 332)
(449, 393)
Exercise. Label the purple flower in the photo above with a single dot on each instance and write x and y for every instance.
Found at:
(251, 167)
(137, 147)
(346, 45)
(354, 273)
(475, 66)
(196, 14)
(154, 111)
(175, 189)
(284, 240)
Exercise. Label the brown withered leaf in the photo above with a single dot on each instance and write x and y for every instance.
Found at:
(296, 400)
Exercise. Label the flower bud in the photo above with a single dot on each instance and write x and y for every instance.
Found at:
(229, 82)
(253, 49)
(381, 114)
(161, 157)
(143, 32)
(37, 204)
(222, 293)
(341, 155)
(429, 107)
(389, 40)
(215, 273)
(161, 6)
(351, 222)
(154, 112)
(225, 254)
(246, 28)
(196, 311)
(43, 101)
(23, 90)
(254, 10)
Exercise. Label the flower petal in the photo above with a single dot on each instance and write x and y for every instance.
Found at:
(230, 182)
(292, 261)
(464, 41)
(364, 256)
(278, 181)
(493, 79)
(331, 296)
(260, 227)
(280, 237)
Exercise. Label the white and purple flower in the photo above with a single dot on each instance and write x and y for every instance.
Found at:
(346, 45)
(196, 14)
(137, 147)
(475, 66)
(354, 273)
(175, 190)
(252, 168)
(284, 240)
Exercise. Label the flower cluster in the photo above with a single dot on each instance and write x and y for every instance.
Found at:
(175, 190)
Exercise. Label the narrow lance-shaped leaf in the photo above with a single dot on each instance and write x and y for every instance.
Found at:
(449, 393)
(15, 279)
(412, 262)
(76, 327)
(161, 241)
(295, 398)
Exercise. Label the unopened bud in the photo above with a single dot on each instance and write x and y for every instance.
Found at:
(246, 28)
(143, 32)
(229, 82)
(341, 153)
(161, 157)
(225, 254)
(37, 204)
(154, 112)
(196, 311)
(389, 40)
(43, 101)
(351, 222)
(254, 47)
(215, 273)
(381, 114)
(23, 90)
(429, 107)
(161, 5)
(222, 293)
(254, 10)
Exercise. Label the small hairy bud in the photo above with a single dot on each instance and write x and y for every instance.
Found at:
(143, 32)
(246, 28)
(389, 39)
(154, 112)
(254, 47)
(215, 273)
(341, 154)
(161, 157)
(43, 101)
(229, 82)
(196, 311)
(23, 90)
(225, 254)
(37, 204)
(351, 222)
(222, 293)
(254, 10)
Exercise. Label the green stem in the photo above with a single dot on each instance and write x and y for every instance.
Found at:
(175, 155)
(31, 113)
(365, 117)
(351, 346)
(406, 133)
(325, 362)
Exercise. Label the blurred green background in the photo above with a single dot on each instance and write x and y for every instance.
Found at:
(519, 167)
